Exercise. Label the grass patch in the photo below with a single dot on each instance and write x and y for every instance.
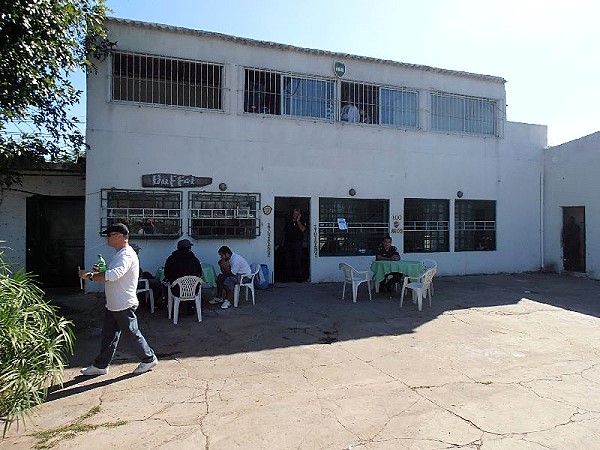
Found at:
(50, 438)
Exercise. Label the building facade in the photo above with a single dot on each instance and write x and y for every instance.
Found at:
(216, 138)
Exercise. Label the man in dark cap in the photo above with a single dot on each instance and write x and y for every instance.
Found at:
(121, 279)
(180, 263)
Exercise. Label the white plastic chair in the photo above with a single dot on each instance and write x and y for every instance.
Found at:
(145, 288)
(187, 292)
(356, 278)
(246, 281)
(420, 287)
(429, 264)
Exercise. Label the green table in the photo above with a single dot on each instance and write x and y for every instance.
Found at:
(381, 268)
(208, 275)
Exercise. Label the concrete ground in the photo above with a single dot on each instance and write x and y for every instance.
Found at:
(498, 362)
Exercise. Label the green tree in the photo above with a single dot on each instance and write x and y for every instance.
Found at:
(34, 342)
(43, 43)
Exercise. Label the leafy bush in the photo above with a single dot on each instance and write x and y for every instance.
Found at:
(34, 341)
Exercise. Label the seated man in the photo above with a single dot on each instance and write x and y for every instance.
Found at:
(387, 252)
(233, 268)
(180, 263)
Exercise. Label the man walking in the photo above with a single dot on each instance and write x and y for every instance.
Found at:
(121, 279)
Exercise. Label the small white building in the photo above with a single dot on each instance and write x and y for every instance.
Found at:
(571, 173)
(214, 138)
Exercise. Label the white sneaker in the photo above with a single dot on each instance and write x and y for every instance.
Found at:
(226, 304)
(145, 367)
(93, 370)
(216, 300)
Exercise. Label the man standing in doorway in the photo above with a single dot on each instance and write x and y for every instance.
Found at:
(293, 239)
(121, 279)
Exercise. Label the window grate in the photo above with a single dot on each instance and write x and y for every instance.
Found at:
(475, 222)
(214, 215)
(426, 225)
(152, 214)
(451, 112)
(367, 222)
(167, 81)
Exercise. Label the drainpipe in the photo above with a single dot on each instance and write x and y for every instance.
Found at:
(542, 218)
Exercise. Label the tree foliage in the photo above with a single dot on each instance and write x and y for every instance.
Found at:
(43, 43)
(34, 342)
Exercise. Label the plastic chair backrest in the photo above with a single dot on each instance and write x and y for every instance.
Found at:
(429, 264)
(187, 286)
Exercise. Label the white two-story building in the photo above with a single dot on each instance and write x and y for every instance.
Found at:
(215, 138)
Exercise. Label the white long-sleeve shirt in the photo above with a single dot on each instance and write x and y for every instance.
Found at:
(122, 280)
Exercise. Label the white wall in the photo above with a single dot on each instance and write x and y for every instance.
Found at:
(280, 156)
(571, 179)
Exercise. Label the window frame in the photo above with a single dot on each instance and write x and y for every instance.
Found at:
(426, 222)
(475, 235)
(464, 117)
(240, 222)
(135, 216)
(362, 236)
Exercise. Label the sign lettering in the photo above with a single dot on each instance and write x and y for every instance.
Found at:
(170, 180)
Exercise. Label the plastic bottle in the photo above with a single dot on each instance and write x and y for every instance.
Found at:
(101, 264)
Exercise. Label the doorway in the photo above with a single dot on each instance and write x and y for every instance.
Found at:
(573, 238)
(55, 239)
(284, 207)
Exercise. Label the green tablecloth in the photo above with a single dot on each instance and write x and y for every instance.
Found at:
(381, 268)
(208, 275)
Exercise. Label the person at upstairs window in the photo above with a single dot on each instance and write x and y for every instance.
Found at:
(387, 252)
(292, 243)
(120, 285)
(350, 112)
(180, 263)
(234, 268)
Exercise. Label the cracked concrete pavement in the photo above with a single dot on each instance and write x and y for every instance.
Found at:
(497, 362)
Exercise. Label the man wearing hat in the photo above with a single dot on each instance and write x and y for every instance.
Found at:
(121, 279)
(180, 263)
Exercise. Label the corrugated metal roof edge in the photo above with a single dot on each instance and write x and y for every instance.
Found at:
(247, 41)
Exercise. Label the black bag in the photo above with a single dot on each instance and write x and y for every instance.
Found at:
(390, 280)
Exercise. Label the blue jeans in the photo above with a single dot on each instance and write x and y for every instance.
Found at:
(115, 323)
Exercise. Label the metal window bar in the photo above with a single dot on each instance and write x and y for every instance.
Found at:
(145, 78)
(476, 225)
(399, 107)
(473, 115)
(217, 215)
(362, 96)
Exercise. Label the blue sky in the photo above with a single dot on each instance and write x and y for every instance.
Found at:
(547, 51)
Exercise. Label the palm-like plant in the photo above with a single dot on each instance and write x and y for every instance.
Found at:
(34, 341)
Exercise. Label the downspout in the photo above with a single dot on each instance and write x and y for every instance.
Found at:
(542, 217)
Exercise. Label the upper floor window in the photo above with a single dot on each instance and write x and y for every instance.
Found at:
(368, 103)
(475, 222)
(166, 81)
(152, 214)
(426, 225)
(450, 112)
(214, 215)
(270, 92)
(367, 223)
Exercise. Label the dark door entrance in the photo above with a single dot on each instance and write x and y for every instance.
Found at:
(284, 207)
(55, 239)
(573, 238)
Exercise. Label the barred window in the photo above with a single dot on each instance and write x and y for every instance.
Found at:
(360, 103)
(367, 222)
(271, 92)
(426, 225)
(166, 81)
(216, 215)
(399, 107)
(450, 112)
(152, 214)
(475, 222)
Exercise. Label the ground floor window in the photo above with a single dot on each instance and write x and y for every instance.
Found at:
(351, 227)
(426, 225)
(475, 225)
(218, 214)
(152, 214)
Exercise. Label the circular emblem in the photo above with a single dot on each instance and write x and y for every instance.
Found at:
(267, 210)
